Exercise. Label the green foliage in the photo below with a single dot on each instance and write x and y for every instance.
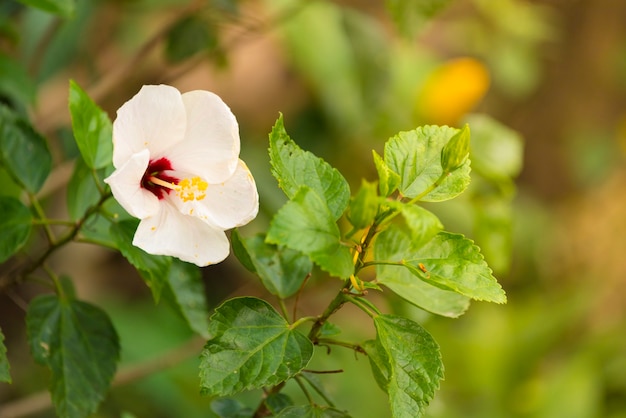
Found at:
(63, 8)
(4, 362)
(14, 81)
(77, 341)
(23, 152)
(250, 346)
(410, 15)
(84, 191)
(311, 411)
(15, 224)
(190, 36)
(456, 151)
(230, 408)
(92, 129)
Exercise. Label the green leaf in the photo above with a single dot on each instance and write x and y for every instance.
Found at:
(311, 411)
(250, 346)
(92, 129)
(63, 8)
(453, 262)
(276, 402)
(5, 376)
(82, 190)
(422, 224)
(378, 362)
(416, 157)
(282, 270)
(230, 408)
(410, 15)
(294, 168)
(364, 206)
(15, 224)
(306, 225)
(388, 180)
(23, 152)
(413, 363)
(78, 343)
(152, 268)
(395, 244)
(190, 36)
(186, 291)
(456, 151)
(15, 82)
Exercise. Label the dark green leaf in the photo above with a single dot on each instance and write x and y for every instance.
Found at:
(14, 81)
(364, 206)
(78, 343)
(230, 408)
(15, 224)
(82, 191)
(394, 244)
(282, 270)
(240, 250)
(416, 157)
(152, 268)
(23, 152)
(413, 363)
(388, 180)
(63, 8)
(305, 224)
(92, 129)
(294, 168)
(276, 402)
(187, 291)
(190, 36)
(410, 15)
(250, 346)
(311, 411)
(4, 362)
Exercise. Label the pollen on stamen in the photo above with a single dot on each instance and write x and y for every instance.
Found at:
(192, 189)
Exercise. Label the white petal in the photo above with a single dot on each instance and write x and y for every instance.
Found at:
(153, 119)
(125, 184)
(211, 145)
(185, 237)
(226, 205)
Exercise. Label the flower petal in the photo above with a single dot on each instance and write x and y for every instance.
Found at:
(226, 205)
(211, 145)
(125, 184)
(171, 233)
(153, 119)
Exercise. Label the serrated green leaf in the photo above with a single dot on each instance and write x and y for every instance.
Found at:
(15, 224)
(152, 268)
(311, 411)
(364, 206)
(77, 341)
(305, 224)
(453, 262)
(250, 346)
(410, 15)
(5, 376)
(456, 151)
(92, 129)
(63, 8)
(414, 364)
(190, 36)
(388, 180)
(23, 152)
(422, 224)
(282, 270)
(294, 168)
(395, 244)
(186, 290)
(416, 157)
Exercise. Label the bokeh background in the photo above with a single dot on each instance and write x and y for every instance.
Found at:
(348, 74)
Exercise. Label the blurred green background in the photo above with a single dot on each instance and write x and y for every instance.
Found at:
(347, 74)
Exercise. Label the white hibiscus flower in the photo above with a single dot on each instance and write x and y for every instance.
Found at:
(177, 169)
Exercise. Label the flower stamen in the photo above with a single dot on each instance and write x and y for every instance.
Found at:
(191, 189)
(163, 183)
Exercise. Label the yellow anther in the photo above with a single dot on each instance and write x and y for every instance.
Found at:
(192, 189)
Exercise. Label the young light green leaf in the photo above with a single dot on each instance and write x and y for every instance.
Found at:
(92, 129)
(294, 168)
(413, 363)
(388, 180)
(311, 411)
(281, 269)
(364, 206)
(305, 224)
(422, 223)
(152, 268)
(63, 8)
(250, 346)
(395, 244)
(77, 341)
(23, 152)
(15, 224)
(456, 151)
(410, 15)
(5, 376)
(186, 291)
(416, 157)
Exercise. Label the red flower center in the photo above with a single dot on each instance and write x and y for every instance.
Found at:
(156, 169)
